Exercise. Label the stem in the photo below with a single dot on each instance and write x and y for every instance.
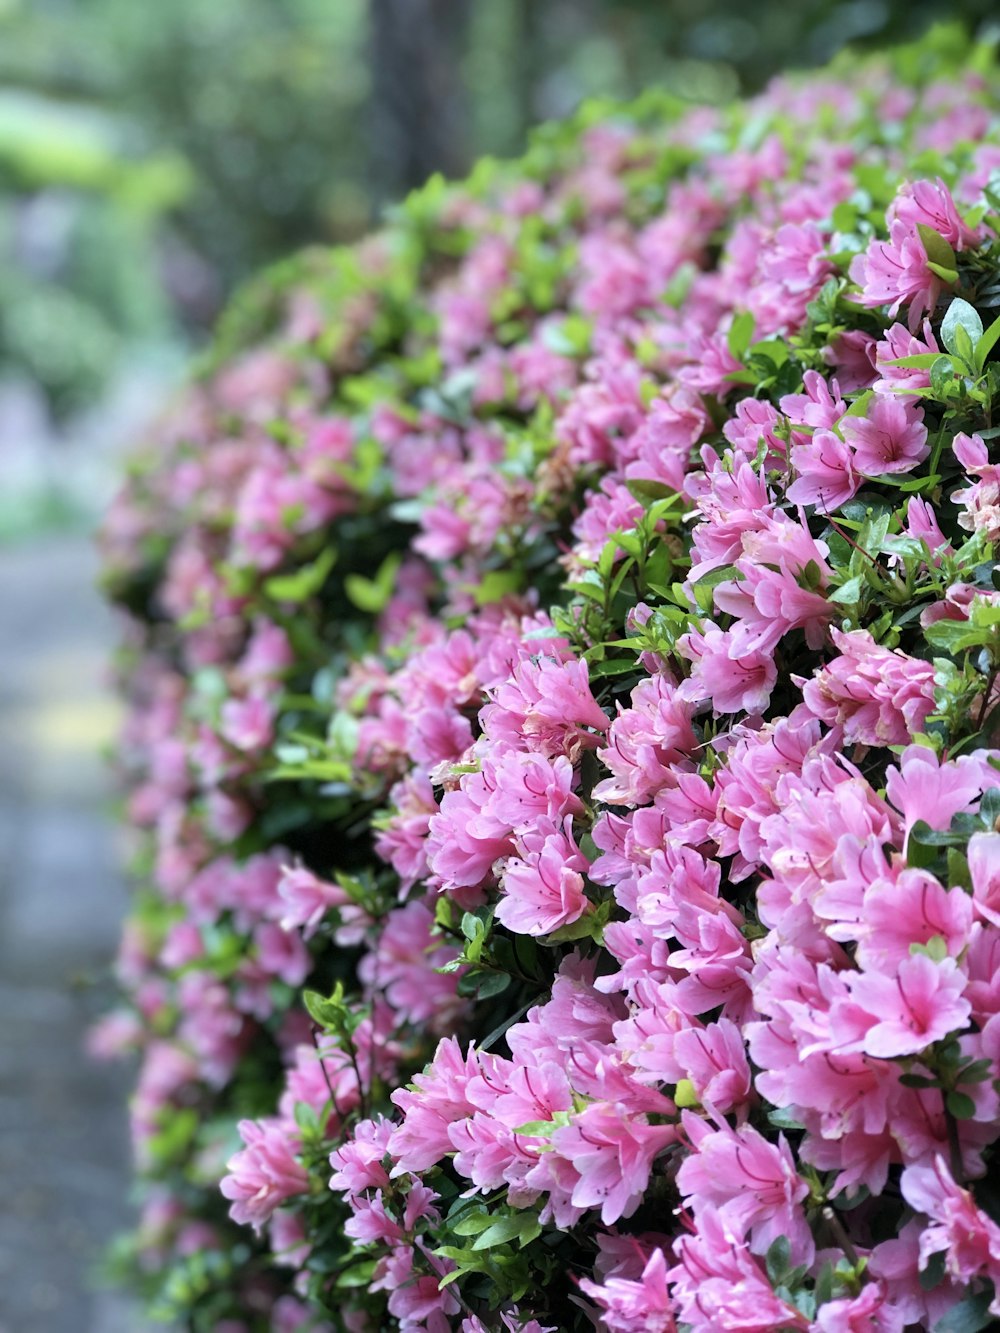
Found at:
(954, 1146)
(840, 1234)
(326, 1076)
(850, 540)
(986, 699)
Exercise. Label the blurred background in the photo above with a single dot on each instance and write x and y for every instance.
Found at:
(152, 157)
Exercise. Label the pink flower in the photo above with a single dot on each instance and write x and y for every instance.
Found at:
(797, 258)
(879, 696)
(415, 1300)
(247, 724)
(281, 953)
(962, 1232)
(971, 452)
(402, 840)
(752, 1182)
(359, 1163)
(264, 1174)
(731, 503)
(610, 509)
(981, 501)
(545, 706)
(491, 1155)
(307, 899)
(714, 1059)
(896, 1265)
(664, 441)
(753, 423)
(912, 909)
(403, 967)
(899, 343)
(710, 366)
(371, 1224)
(868, 1312)
(464, 838)
(819, 407)
(717, 1283)
(289, 1243)
(768, 604)
(891, 438)
(628, 1305)
(613, 1151)
(529, 788)
(644, 741)
(894, 273)
(826, 476)
(183, 945)
(852, 355)
(984, 870)
(930, 204)
(544, 887)
(436, 1099)
(923, 788)
(888, 1017)
(268, 654)
(922, 524)
(733, 677)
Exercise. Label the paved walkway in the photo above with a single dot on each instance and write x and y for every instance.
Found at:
(63, 1137)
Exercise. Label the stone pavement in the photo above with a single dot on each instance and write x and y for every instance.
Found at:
(63, 1134)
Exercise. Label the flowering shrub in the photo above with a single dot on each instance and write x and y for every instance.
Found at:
(563, 643)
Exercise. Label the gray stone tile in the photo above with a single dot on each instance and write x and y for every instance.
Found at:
(63, 1123)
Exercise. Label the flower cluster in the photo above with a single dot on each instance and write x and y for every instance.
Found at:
(563, 644)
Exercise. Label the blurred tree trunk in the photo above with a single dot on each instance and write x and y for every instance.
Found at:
(418, 119)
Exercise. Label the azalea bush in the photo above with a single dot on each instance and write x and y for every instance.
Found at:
(562, 640)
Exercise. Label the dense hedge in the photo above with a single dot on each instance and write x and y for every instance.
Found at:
(562, 638)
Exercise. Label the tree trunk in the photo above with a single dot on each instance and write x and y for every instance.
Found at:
(418, 120)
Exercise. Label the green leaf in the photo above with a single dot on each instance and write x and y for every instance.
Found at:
(496, 585)
(937, 248)
(948, 275)
(935, 948)
(918, 1081)
(644, 489)
(358, 1275)
(569, 336)
(960, 1105)
(782, 1118)
(848, 593)
(684, 1094)
(473, 926)
(614, 667)
(989, 807)
(590, 587)
(474, 1223)
(328, 1011)
(777, 1258)
(968, 1316)
(922, 361)
(956, 635)
(942, 374)
(372, 595)
(933, 1273)
(740, 333)
(305, 582)
(961, 317)
(522, 1227)
(986, 343)
(489, 984)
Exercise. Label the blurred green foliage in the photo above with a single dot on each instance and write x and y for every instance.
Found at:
(153, 155)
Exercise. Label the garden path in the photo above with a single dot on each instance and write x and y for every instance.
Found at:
(63, 1131)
